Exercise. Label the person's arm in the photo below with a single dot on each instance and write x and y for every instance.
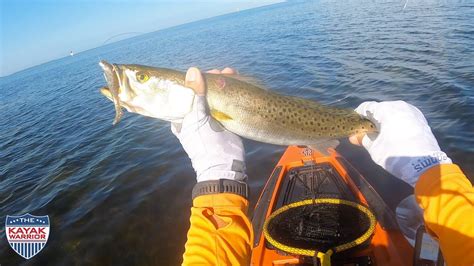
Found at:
(406, 147)
(220, 232)
(447, 198)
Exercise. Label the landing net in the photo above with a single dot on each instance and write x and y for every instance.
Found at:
(317, 225)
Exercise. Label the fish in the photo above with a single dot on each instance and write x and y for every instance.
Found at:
(243, 108)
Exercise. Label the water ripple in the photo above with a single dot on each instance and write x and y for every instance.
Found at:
(127, 187)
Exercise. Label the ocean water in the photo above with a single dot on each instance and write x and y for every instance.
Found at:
(121, 194)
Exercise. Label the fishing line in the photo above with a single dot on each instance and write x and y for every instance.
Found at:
(119, 35)
(338, 100)
(122, 34)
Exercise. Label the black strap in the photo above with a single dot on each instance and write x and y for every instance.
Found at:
(220, 186)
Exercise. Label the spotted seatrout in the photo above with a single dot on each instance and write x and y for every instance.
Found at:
(242, 108)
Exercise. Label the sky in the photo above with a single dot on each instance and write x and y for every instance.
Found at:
(37, 31)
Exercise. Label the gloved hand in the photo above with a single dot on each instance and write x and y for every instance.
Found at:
(215, 153)
(405, 145)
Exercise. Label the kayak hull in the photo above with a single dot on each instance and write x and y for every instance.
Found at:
(387, 246)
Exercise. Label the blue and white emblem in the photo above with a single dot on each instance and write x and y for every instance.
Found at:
(27, 234)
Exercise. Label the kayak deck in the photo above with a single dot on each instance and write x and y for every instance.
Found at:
(302, 169)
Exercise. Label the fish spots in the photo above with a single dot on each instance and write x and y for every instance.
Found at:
(302, 119)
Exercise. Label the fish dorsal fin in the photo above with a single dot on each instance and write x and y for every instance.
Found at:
(246, 79)
(220, 116)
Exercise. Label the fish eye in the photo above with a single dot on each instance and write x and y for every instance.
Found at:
(142, 77)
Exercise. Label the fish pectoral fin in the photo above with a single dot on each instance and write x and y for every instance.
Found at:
(106, 92)
(220, 116)
(323, 145)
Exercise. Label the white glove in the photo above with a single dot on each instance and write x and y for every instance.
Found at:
(405, 145)
(215, 152)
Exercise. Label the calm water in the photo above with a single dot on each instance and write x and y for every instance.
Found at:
(121, 195)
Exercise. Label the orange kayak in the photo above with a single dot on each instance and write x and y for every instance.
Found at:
(334, 182)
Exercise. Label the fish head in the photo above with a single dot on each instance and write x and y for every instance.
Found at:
(367, 126)
(153, 92)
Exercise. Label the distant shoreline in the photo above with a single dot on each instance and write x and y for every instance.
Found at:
(77, 53)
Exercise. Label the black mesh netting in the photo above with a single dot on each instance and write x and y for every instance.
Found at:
(319, 226)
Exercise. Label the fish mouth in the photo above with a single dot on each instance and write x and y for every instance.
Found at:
(110, 74)
(112, 77)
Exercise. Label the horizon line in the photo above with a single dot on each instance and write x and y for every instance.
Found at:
(136, 36)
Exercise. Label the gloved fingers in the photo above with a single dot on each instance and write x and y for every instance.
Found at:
(357, 139)
(194, 119)
(367, 141)
(194, 80)
(368, 110)
(226, 71)
(199, 110)
(379, 112)
(363, 107)
(229, 71)
(215, 153)
(363, 139)
(407, 108)
(213, 150)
